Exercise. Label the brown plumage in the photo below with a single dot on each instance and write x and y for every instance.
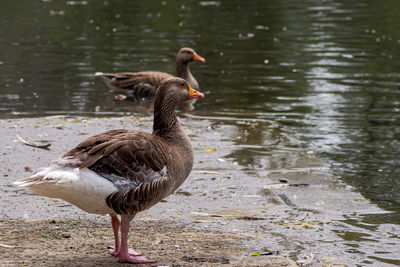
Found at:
(123, 172)
(133, 162)
(144, 83)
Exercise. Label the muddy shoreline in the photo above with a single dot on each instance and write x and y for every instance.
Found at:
(229, 211)
(71, 242)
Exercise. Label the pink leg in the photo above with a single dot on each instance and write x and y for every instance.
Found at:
(124, 252)
(115, 226)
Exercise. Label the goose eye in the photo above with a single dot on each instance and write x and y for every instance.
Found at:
(182, 84)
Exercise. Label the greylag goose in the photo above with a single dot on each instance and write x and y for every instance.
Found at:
(144, 83)
(123, 172)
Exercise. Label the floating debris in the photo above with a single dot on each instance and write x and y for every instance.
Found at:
(249, 217)
(261, 27)
(28, 143)
(204, 221)
(84, 83)
(360, 199)
(347, 56)
(120, 97)
(77, 3)
(209, 3)
(57, 13)
(208, 172)
(285, 184)
(301, 224)
(305, 259)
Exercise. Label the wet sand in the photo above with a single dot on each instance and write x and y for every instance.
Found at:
(224, 213)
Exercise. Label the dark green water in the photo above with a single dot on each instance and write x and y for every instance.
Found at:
(328, 71)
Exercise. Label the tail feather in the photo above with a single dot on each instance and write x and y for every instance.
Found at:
(29, 181)
(50, 175)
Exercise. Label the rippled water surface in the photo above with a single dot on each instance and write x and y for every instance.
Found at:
(327, 71)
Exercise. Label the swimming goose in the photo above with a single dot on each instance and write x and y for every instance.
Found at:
(144, 83)
(123, 172)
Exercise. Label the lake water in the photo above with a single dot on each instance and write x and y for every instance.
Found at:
(327, 71)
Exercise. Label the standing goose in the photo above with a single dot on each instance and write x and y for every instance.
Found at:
(145, 83)
(123, 172)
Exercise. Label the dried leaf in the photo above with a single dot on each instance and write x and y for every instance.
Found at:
(6, 246)
(210, 149)
(28, 143)
(207, 214)
(208, 172)
(255, 254)
(275, 186)
(28, 169)
(229, 216)
(203, 221)
(246, 218)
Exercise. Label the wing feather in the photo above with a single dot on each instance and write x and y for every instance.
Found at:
(133, 161)
(143, 83)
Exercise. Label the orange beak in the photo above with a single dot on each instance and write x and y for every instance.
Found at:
(194, 94)
(196, 57)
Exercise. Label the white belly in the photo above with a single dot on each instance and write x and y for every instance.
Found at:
(82, 188)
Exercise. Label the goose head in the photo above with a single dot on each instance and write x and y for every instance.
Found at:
(173, 91)
(187, 54)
